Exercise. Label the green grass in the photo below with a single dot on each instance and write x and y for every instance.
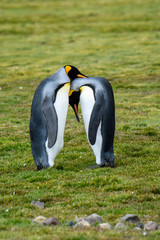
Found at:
(118, 40)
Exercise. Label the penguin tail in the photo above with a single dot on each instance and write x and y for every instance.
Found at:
(41, 163)
(39, 167)
(109, 159)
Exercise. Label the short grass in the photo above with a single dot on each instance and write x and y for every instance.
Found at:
(118, 40)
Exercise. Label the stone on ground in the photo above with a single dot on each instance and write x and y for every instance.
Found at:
(105, 226)
(82, 224)
(51, 221)
(130, 218)
(93, 218)
(150, 226)
(70, 223)
(39, 219)
(121, 225)
(38, 204)
(140, 225)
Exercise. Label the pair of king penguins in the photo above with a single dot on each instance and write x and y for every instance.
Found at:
(49, 110)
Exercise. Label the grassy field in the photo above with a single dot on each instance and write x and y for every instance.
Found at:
(118, 40)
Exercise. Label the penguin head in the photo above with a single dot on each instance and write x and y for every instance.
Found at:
(74, 96)
(73, 72)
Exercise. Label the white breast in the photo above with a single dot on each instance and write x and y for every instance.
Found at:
(87, 101)
(61, 106)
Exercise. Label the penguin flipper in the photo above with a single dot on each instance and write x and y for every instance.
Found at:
(51, 118)
(95, 119)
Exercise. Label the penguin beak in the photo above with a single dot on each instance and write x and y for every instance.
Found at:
(74, 95)
(75, 108)
(81, 76)
(74, 98)
(74, 101)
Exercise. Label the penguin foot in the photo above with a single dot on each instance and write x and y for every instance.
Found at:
(109, 158)
(39, 167)
(111, 164)
(97, 166)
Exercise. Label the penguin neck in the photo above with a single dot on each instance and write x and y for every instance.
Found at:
(87, 92)
(87, 101)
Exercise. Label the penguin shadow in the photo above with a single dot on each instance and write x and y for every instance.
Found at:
(78, 167)
(104, 166)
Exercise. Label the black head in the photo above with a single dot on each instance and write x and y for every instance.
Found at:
(73, 73)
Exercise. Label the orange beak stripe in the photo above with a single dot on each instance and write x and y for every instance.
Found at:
(81, 76)
(76, 110)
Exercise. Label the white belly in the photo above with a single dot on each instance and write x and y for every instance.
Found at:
(87, 101)
(61, 107)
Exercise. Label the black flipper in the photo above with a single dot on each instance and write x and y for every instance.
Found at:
(95, 119)
(51, 120)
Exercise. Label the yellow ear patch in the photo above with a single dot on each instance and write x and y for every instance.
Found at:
(68, 68)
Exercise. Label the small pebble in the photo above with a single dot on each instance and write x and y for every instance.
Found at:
(38, 204)
(70, 223)
(150, 226)
(105, 226)
(13, 229)
(51, 221)
(93, 218)
(144, 233)
(130, 218)
(39, 219)
(82, 224)
(140, 225)
(121, 226)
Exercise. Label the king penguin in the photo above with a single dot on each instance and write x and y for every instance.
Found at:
(98, 111)
(48, 115)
